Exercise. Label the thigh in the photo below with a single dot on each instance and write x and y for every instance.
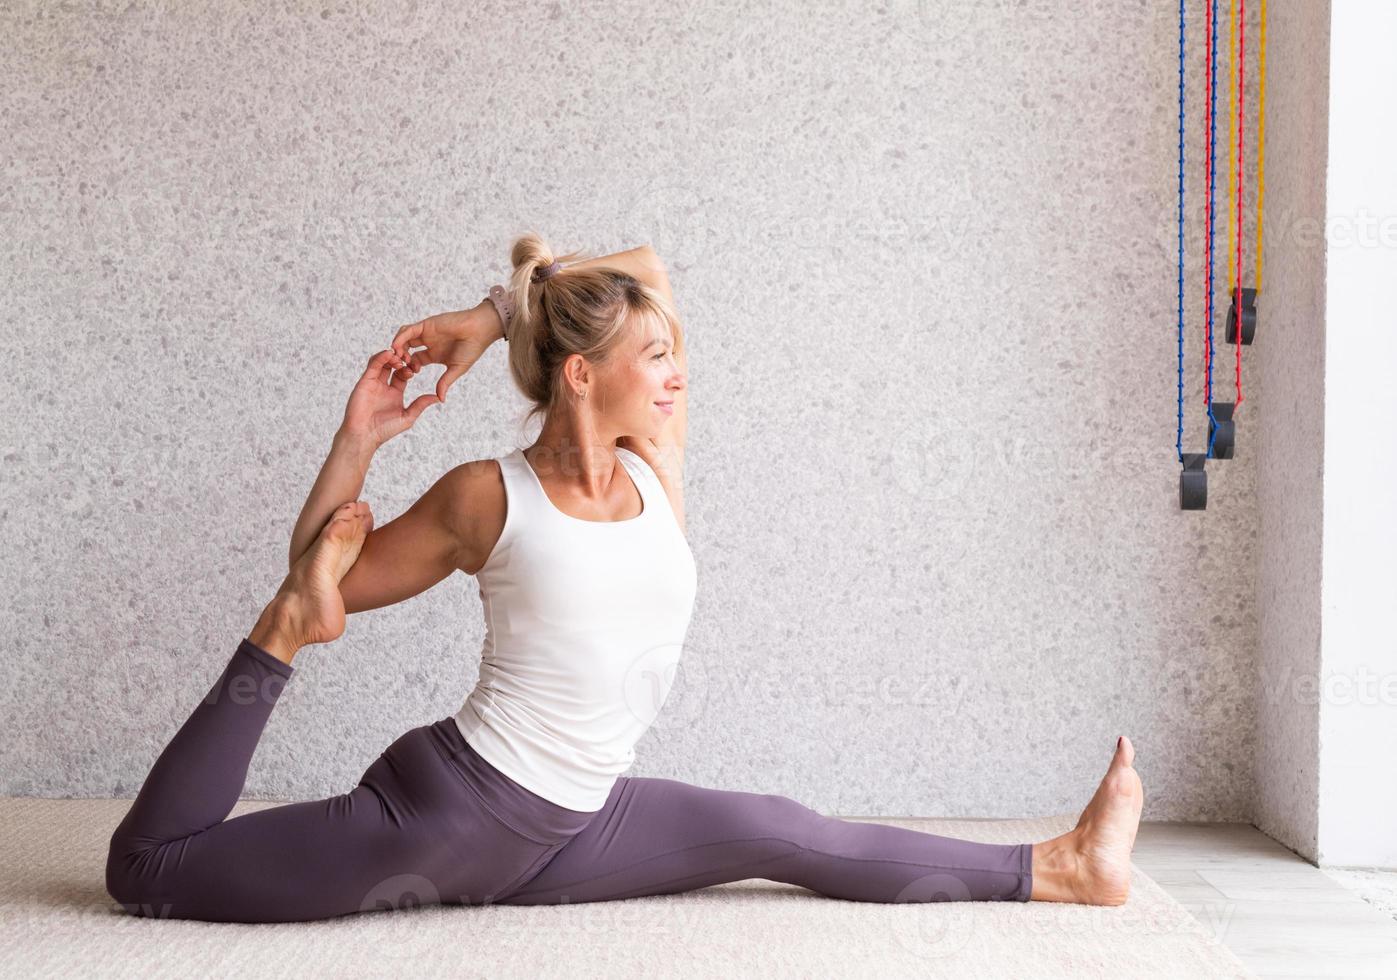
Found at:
(411, 833)
(660, 836)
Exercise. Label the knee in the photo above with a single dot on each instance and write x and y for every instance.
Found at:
(125, 883)
(800, 824)
(782, 816)
(120, 885)
(120, 880)
(790, 809)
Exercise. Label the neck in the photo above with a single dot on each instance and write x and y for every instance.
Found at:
(571, 451)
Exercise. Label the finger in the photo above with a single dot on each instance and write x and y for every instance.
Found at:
(380, 365)
(378, 360)
(387, 376)
(406, 337)
(419, 405)
(448, 379)
(403, 339)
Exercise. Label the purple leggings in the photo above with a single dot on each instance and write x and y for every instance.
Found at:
(432, 822)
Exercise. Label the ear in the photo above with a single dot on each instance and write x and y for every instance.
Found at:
(577, 371)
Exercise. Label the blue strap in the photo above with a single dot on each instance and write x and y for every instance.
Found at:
(1179, 436)
(1212, 163)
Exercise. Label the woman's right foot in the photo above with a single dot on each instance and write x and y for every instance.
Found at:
(1090, 864)
(308, 607)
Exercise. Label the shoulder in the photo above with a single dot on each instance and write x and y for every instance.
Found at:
(474, 498)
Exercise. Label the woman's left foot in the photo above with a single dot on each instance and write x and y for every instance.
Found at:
(310, 608)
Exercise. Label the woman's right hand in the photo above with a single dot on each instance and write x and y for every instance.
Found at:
(375, 412)
(455, 340)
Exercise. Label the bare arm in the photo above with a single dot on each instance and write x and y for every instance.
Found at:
(639, 262)
(413, 552)
(398, 560)
(340, 479)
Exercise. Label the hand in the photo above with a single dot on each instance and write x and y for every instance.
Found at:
(375, 411)
(455, 340)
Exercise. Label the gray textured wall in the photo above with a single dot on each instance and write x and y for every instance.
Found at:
(1290, 359)
(925, 253)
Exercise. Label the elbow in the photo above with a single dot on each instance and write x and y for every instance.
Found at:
(652, 257)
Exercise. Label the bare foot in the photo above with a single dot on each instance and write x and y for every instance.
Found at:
(310, 609)
(1090, 864)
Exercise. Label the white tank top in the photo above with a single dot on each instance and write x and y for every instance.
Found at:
(584, 625)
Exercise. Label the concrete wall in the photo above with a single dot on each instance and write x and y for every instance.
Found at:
(926, 257)
(1289, 356)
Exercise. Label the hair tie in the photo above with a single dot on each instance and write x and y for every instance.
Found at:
(545, 273)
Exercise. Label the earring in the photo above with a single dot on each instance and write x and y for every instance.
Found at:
(584, 393)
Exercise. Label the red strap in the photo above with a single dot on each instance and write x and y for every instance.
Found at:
(1241, 115)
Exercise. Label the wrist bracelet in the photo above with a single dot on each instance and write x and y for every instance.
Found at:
(504, 306)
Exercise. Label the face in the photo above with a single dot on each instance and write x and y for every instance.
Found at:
(642, 373)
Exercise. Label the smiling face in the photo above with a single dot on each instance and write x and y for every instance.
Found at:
(632, 383)
(640, 377)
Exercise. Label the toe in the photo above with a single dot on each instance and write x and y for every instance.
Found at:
(1125, 752)
(1120, 785)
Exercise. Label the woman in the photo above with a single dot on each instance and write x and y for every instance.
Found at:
(587, 583)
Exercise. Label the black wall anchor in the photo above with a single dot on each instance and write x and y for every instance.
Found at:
(1222, 430)
(1193, 483)
(1248, 316)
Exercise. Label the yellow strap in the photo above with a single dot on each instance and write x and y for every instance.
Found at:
(1232, 231)
(1261, 146)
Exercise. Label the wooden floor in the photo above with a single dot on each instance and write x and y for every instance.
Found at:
(1278, 913)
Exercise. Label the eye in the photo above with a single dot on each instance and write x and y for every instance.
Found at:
(658, 356)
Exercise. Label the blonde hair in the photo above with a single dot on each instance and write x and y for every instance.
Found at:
(589, 311)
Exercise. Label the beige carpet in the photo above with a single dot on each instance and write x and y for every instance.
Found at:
(56, 919)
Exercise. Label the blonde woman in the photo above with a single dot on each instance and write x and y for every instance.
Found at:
(577, 542)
